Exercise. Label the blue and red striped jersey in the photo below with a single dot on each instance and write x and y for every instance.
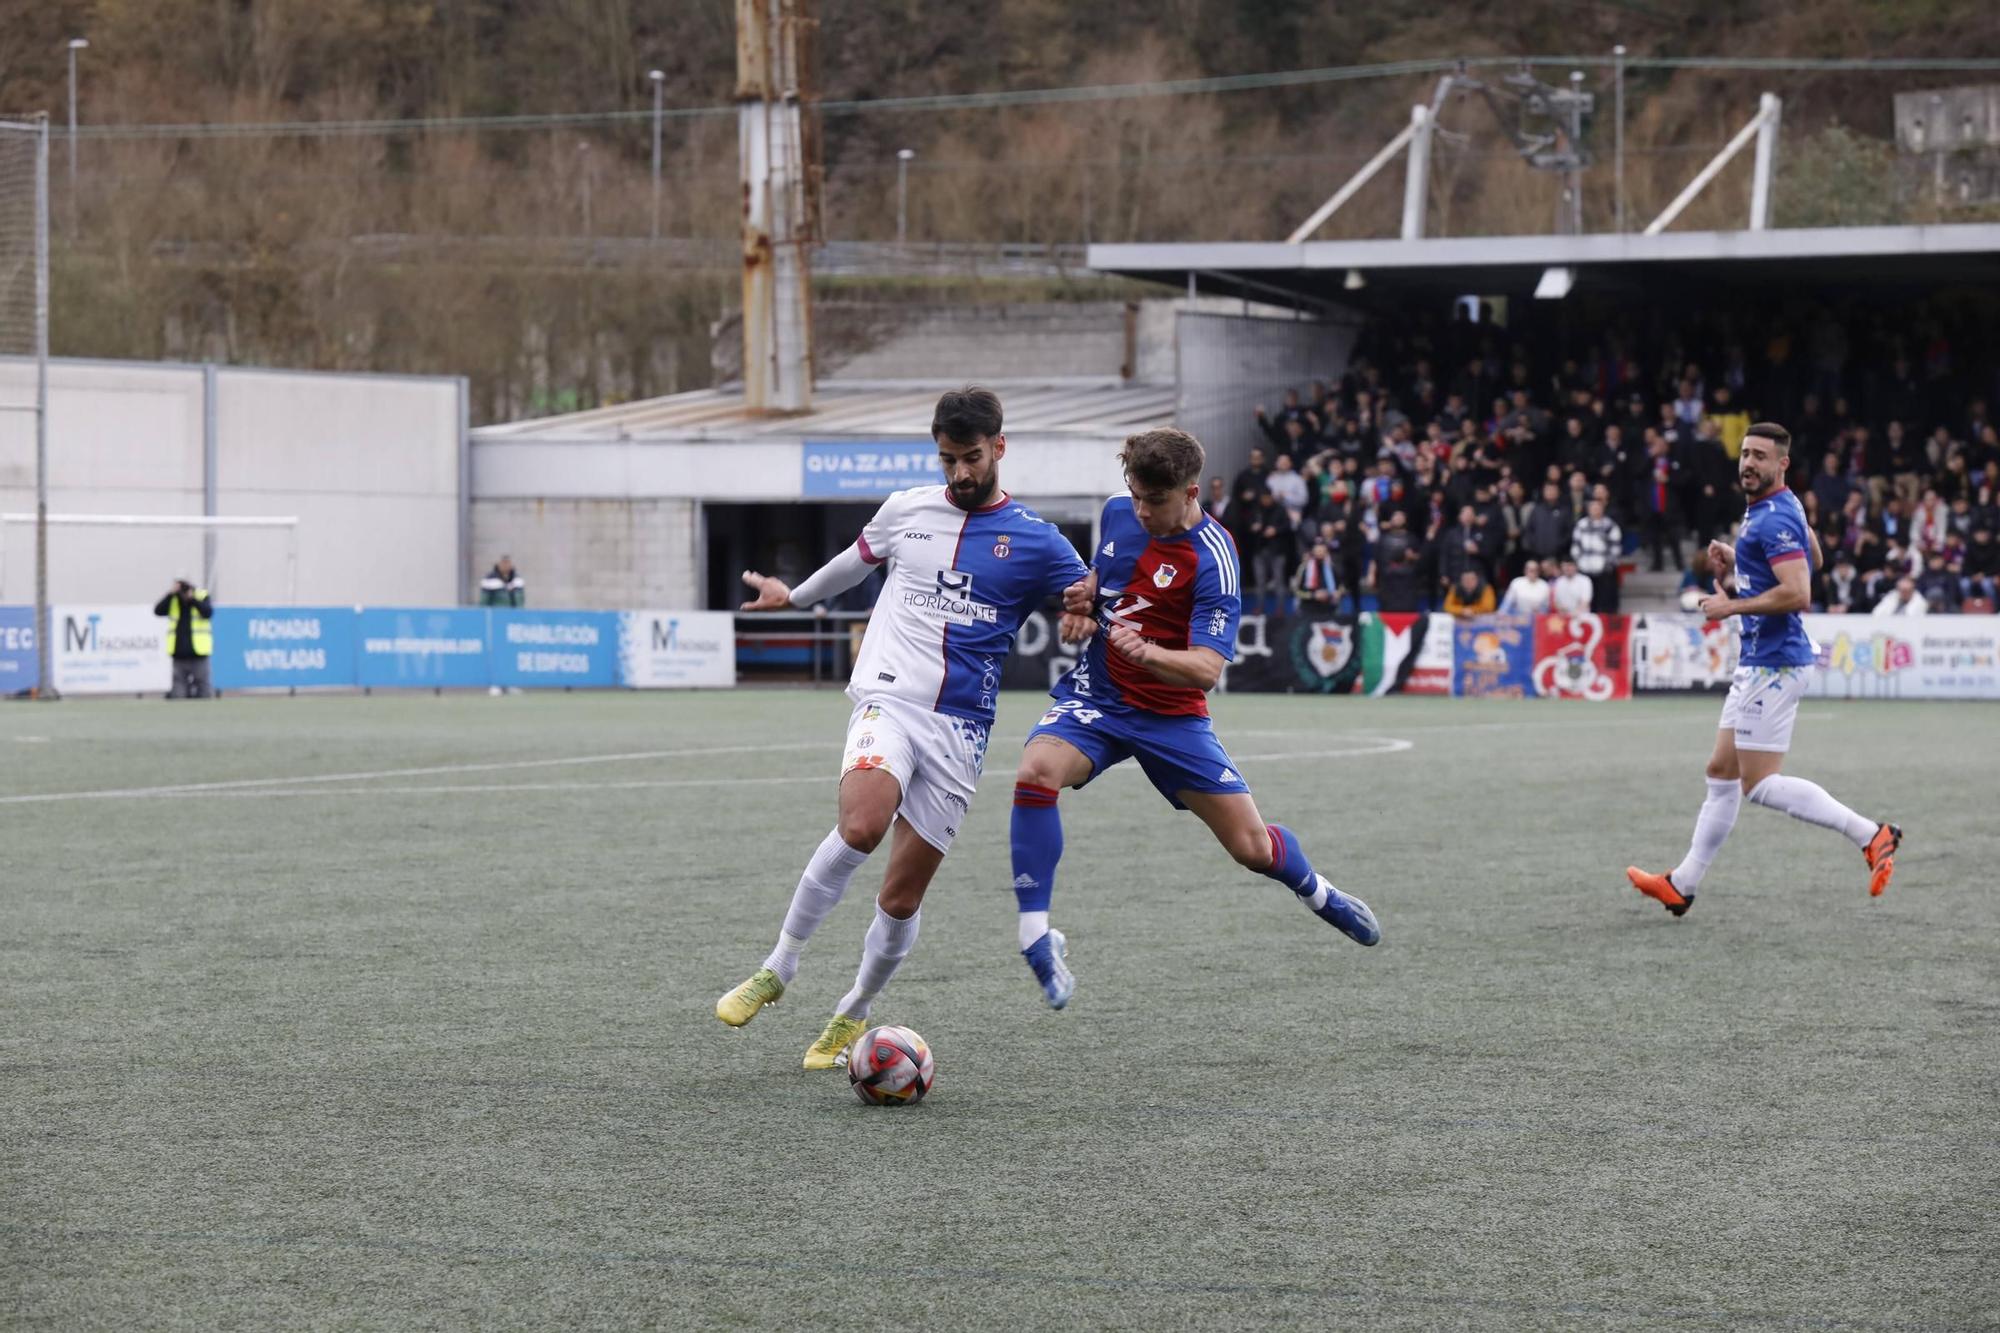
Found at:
(1180, 592)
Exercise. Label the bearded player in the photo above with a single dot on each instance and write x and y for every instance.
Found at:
(1772, 565)
(1168, 592)
(965, 564)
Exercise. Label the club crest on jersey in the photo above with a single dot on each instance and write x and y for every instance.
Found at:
(1164, 576)
(1001, 547)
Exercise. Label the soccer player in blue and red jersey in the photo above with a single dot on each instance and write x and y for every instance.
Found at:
(1772, 562)
(1167, 592)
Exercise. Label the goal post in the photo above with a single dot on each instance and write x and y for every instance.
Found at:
(24, 316)
(207, 524)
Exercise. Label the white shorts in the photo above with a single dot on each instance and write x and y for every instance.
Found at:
(935, 757)
(1763, 703)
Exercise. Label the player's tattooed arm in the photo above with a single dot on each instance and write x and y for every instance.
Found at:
(1198, 667)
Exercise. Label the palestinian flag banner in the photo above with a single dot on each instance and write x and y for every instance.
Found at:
(1406, 652)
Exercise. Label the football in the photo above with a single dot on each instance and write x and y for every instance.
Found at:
(890, 1066)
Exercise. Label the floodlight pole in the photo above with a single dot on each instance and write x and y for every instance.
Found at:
(45, 684)
(903, 156)
(659, 78)
(1618, 138)
(75, 44)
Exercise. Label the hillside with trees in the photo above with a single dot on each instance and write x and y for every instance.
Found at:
(521, 254)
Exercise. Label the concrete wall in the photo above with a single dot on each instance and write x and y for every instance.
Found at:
(368, 463)
(124, 440)
(596, 554)
(1230, 365)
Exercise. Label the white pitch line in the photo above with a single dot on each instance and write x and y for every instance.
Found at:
(196, 788)
(282, 788)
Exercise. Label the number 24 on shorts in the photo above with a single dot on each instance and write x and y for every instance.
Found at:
(1074, 709)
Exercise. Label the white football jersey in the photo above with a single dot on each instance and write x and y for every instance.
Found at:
(958, 584)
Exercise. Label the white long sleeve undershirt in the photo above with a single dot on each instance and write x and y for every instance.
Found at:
(836, 576)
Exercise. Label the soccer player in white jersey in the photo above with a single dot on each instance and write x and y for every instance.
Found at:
(965, 565)
(1772, 579)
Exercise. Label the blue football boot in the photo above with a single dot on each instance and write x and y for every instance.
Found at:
(1046, 956)
(1343, 911)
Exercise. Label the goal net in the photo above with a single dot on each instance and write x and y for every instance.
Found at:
(24, 330)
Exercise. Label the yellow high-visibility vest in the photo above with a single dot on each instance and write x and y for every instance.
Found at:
(204, 642)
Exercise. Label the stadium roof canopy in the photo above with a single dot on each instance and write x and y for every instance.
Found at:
(857, 409)
(1385, 274)
(1063, 438)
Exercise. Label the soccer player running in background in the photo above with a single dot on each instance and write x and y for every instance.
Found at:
(1166, 582)
(1770, 589)
(965, 565)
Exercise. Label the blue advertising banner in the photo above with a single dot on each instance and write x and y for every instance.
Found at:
(419, 648)
(861, 468)
(1494, 657)
(555, 648)
(20, 665)
(283, 647)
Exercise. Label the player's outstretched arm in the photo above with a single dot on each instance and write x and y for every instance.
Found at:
(831, 579)
(773, 594)
(1198, 667)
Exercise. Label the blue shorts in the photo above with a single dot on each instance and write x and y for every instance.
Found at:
(1176, 753)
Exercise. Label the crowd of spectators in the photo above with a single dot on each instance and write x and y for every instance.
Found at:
(1453, 468)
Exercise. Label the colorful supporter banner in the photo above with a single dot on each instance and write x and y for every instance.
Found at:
(283, 647)
(1406, 652)
(1583, 657)
(1679, 652)
(421, 648)
(1494, 657)
(554, 649)
(122, 650)
(1906, 657)
(20, 664)
(1315, 652)
(868, 467)
(671, 649)
(109, 650)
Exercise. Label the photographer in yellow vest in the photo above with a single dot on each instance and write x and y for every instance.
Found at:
(189, 639)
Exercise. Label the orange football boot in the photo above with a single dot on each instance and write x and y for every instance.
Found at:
(1661, 889)
(1881, 857)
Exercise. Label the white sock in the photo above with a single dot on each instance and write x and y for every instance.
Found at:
(1711, 830)
(1809, 801)
(827, 874)
(887, 945)
(1034, 925)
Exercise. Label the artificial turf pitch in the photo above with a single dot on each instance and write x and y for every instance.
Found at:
(435, 1048)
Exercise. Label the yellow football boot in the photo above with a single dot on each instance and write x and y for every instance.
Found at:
(741, 1005)
(830, 1051)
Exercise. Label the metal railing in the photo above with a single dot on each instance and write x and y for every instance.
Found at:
(829, 640)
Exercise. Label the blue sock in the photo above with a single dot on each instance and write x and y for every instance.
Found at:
(1288, 860)
(1038, 844)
